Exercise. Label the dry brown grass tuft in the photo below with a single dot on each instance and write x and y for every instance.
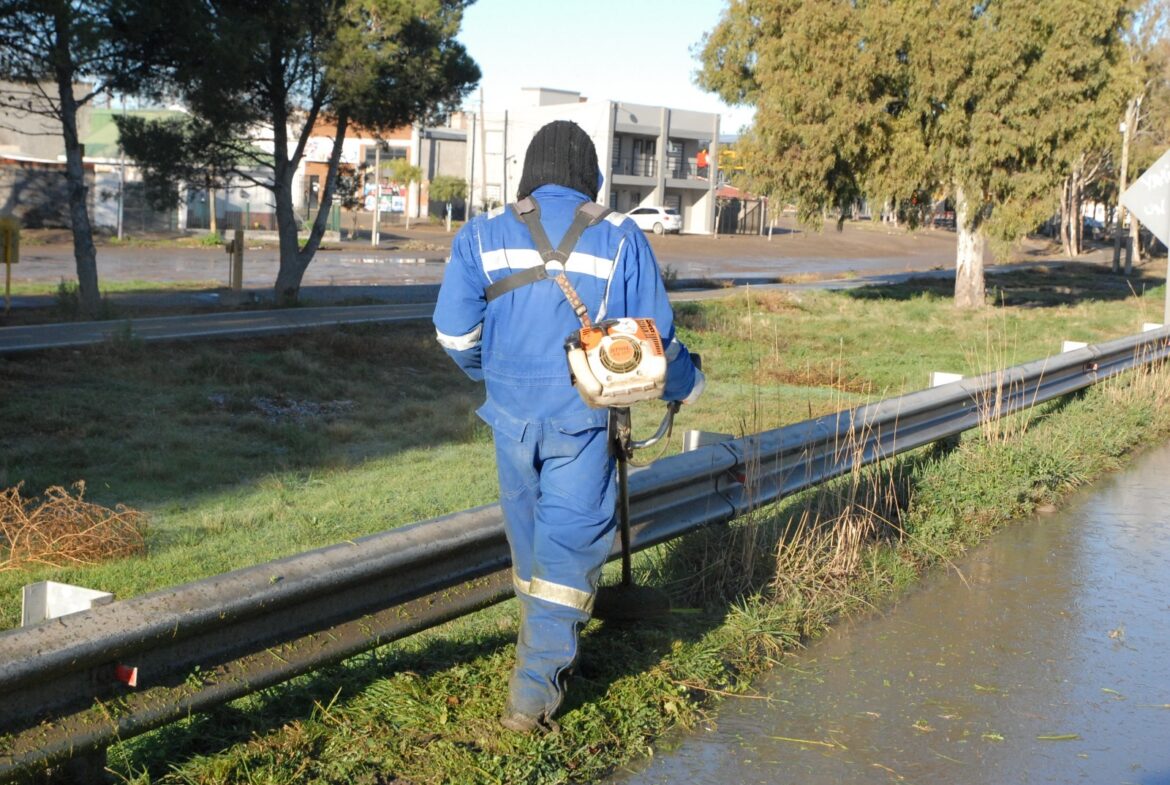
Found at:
(776, 302)
(830, 375)
(63, 529)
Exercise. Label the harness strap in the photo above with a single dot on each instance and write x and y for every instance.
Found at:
(528, 211)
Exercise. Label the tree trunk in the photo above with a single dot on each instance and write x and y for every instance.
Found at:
(84, 252)
(1065, 238)
(969, 285)
(290, 271)
(1135, 244)
(293, 259)
(1076, 221)
(407, 210)
(213, 225)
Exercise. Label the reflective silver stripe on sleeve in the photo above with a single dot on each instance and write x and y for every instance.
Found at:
(673, 349)
(460, 343)
(697, 390)
(561, 595)
(616, 218)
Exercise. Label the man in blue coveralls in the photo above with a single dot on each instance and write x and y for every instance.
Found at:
(556, 473)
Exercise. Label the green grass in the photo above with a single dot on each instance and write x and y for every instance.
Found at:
(118, 287)
(205, 439)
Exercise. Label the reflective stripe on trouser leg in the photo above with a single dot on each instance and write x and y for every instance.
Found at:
(572, 534)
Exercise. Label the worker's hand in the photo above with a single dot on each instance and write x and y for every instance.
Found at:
(697, 390)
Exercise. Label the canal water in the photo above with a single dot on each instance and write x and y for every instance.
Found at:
(1042, 657)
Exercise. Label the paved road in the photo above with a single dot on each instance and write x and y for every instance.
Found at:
(408, 303)
(417, 257)
(211, 325)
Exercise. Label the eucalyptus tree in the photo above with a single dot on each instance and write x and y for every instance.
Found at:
(262, 78)
(923, 99)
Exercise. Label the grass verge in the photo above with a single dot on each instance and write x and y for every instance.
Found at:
(247, 451)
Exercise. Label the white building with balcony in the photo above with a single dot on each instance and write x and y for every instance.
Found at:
(649, 155)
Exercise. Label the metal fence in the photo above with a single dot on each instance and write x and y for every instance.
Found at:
(679, 168)
(636, 166)
(196, 646)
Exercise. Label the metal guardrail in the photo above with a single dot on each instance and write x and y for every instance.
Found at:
(202, 644)
(39, 337)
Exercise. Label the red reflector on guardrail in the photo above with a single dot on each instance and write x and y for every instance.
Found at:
(126, 674)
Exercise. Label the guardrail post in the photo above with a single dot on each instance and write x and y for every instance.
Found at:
(939, 378)
(693, 440)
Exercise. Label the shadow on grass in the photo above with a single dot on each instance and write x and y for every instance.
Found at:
(1038, 287)
(462, 675)
(148, 424)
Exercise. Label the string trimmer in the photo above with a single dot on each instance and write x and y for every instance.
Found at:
(627, 601)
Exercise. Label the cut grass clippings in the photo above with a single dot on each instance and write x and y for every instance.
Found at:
(177, 431)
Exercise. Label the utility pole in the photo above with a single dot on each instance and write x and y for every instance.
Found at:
(482, 149)
(375, 237)
(471, 184)
(122, 181)
(121, 195)
(1128, 127)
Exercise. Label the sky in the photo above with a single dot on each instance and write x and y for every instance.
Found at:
(640, 51)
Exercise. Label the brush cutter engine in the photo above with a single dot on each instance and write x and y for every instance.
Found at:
(617, 362)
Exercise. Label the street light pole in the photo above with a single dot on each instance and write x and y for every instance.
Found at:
(1122, 186)
(375, 234)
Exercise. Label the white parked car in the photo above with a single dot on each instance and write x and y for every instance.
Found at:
(657, 219)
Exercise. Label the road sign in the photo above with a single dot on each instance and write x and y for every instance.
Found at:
(1149, 199)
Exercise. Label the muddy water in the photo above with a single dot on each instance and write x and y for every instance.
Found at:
(1042, 657)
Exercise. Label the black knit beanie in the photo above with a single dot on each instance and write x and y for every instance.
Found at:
(560, 154)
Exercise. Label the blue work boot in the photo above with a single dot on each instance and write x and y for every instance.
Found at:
(520, 722)
(545, 652)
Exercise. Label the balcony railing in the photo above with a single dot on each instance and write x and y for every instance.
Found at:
(636, 166)
(682, 169)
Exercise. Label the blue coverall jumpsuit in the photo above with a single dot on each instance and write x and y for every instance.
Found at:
(556, 476)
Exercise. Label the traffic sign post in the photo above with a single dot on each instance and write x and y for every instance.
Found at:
(1148, 200)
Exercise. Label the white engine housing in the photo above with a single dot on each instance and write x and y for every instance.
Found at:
(617, 362)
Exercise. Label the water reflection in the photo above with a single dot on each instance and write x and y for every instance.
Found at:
(344, 260)
(1045, 657)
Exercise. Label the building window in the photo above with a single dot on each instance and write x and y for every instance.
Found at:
(388, 154)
